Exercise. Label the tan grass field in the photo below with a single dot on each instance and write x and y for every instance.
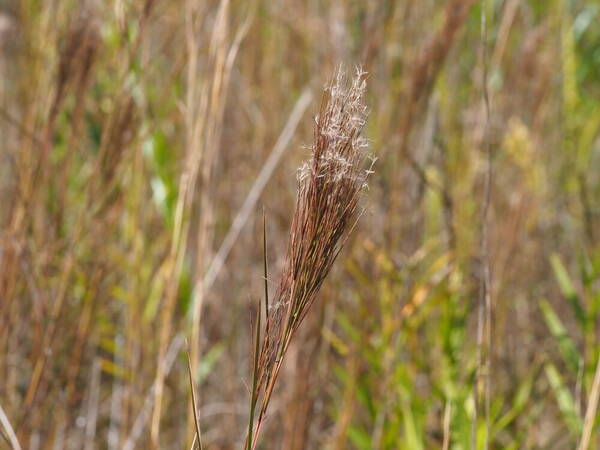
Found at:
(322, 224)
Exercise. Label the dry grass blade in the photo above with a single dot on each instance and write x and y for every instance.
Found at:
(8, 429)
(329, 187)
(198, 436)
(484, 319)
(144, 414)
(257, 188)
(255, 366)
(592, 409)
(265, 273)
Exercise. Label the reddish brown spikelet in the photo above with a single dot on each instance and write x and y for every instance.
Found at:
(329, 188)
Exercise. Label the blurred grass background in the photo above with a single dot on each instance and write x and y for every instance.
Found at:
(132, 134)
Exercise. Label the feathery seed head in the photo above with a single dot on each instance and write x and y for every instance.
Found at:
(329, 187)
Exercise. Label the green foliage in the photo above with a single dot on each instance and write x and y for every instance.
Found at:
(574, 359)
(162, 159)
(566, 403)
(567, 347)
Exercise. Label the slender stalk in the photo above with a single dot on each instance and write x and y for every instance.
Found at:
(592, 409)
(194, 405)
(10, 432)
(255, 376)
